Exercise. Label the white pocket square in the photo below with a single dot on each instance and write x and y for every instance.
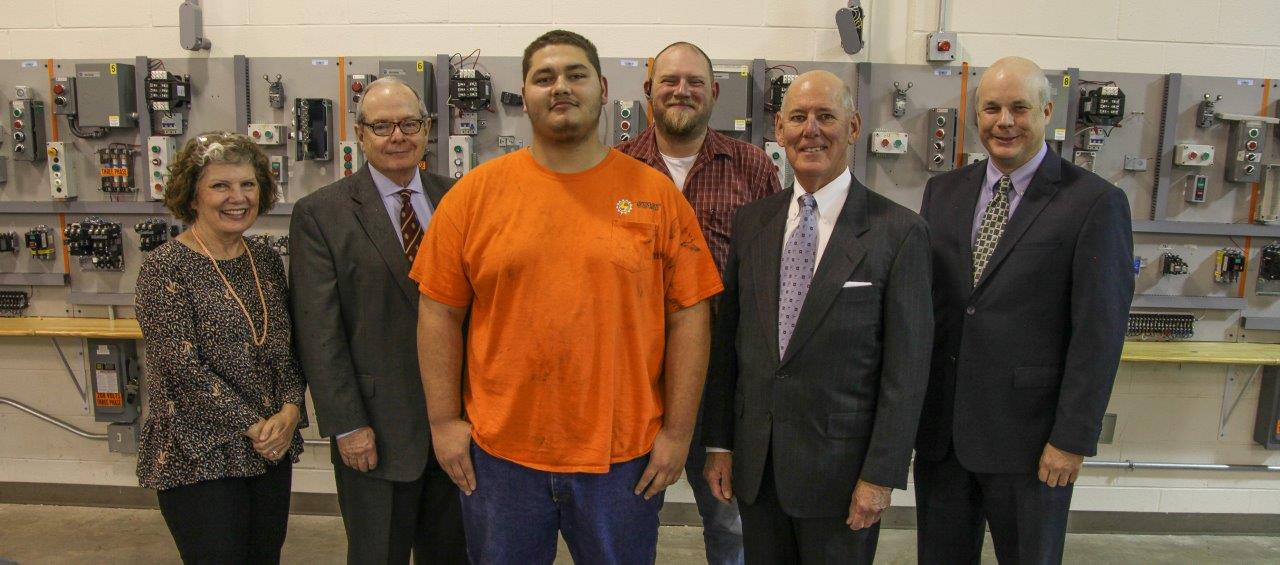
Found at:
(855, 284)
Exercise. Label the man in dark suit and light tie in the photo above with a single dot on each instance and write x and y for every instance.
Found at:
(820, 355)
(355, 315)
(1032, 265)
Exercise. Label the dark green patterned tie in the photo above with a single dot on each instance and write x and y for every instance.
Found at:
(993, 222)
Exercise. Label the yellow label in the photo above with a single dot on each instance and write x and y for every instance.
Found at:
(111, 68)
(745, 70)
(421, 66)
(1066, 81)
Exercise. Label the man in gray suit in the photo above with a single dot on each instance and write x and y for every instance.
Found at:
(821, 353)
(355, 314)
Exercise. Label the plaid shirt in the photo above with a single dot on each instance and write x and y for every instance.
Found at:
(727, 174)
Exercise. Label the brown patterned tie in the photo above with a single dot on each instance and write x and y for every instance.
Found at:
(410, 229)
(992, 227)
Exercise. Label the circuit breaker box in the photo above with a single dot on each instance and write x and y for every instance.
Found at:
(114, 376)
(733, 108)
(105, 95)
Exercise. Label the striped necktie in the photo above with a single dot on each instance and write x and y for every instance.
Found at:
(410, 229)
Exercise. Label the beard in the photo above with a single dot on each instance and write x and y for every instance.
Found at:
(568, 130)
(680, 124)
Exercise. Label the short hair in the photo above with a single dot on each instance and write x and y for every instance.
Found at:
(559, 37)
(710, 68)
(383, 83)
(1044, 89)
(209, 148)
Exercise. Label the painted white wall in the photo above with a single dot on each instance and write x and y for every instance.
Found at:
(1166, 412)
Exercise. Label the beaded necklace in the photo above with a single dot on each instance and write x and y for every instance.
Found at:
(258, 341)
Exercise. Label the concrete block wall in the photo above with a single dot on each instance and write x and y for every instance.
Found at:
(1166, 412)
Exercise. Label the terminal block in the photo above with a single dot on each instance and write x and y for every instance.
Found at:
(152, 233)
(1163, 326)
(1228, 263)
(1102, 106)
(40, 242)
(116, 168)
(1172, 264)
(470, 90)
(13, 302)
(97, 242)
(9, 242)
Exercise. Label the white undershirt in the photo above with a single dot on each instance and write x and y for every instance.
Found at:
(679, 167)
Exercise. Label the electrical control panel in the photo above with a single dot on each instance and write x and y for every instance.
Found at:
(462, 156)
(1193, 155)
(628, 120)
(62, 184)
(732, 112)
(1246, 144)
(1196, 189)
(116, 168)
(106, 95)
(350, 158)
(28, 133)
(313, 129)
(356, 85)
(889, 142)
(267, 134)
(1102, 106)
(941, 124)
(470, 90)
(40, 242)
(161, 150)
(778, 156)
(13, 302)
(152, 233)
(64, 96)
(97, 242)
(114, 374)
(941, 46)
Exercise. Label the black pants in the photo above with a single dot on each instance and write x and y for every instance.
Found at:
(385, 520)
(1028, 519)
(233, 520)
(771, 536)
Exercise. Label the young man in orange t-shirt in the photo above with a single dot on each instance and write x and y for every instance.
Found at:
(586, 279)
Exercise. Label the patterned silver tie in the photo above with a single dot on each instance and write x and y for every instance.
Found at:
(992, 226)
(798, 257)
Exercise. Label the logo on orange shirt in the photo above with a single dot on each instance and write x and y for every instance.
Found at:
(623, 206)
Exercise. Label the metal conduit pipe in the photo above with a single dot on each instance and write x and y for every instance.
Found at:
(1135, 465)
(53, 420)
(90, 435)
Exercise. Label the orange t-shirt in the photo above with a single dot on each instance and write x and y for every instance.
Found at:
(569, 278)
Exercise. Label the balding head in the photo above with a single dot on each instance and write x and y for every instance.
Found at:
(817, 124)
(1013, 108)
(1018, 68)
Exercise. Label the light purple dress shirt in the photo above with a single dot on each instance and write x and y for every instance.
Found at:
(1021, 178)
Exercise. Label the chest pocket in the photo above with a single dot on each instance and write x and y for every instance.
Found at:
(633, 244)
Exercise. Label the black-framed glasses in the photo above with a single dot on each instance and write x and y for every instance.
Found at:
(407, 127)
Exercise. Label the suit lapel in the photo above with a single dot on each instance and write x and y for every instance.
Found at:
(840, 257)
(1043, 186)
(767, 259)
(372, 215)
(434, 190)
(968, 192)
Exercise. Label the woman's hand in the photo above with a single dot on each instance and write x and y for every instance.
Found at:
(276, 433)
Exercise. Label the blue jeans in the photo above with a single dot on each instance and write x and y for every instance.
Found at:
(721, 524)
(515, 512)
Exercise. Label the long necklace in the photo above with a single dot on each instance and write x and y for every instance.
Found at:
(258, 341)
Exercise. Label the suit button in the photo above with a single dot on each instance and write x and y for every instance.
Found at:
(970, 310)
(780, 375)
(953, 358)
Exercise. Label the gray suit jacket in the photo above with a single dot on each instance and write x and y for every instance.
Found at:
(843, 402)
(355, 314)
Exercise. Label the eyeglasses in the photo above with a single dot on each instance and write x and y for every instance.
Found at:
(407, 127)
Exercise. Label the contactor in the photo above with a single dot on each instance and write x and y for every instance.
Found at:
(1172, 264)
(1228, 263)
(40, 242)
(152, 233)
(97, 242)
(1102, 106)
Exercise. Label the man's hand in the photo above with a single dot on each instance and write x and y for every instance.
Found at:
(358, 450)
(276, 434)
(666, 462)
(1059, 468)
(452, 441)
(868, 502)
(719, 474)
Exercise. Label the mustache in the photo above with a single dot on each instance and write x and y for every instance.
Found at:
(563, 99)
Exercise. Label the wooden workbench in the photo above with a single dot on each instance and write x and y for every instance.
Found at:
(70, 327)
